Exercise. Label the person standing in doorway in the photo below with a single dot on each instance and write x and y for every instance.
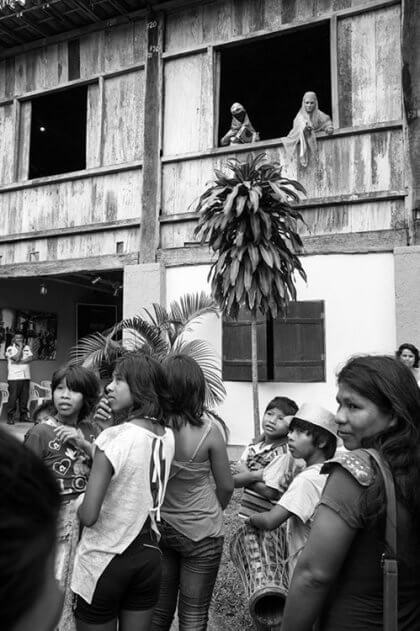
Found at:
(18, 356)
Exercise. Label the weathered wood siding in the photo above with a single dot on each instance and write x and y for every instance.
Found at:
(69, 246)
(112, 62)
(222, 21)
(71, 203)
(319, 220)
(187, 124)
(7, 138)
(113, 49)
(351, 164)
(123, 118)
(369, 67)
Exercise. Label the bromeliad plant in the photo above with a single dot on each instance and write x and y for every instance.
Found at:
(247, 218)
(159, 332)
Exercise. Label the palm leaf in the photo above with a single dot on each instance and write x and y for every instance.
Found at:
(96, 351)
(190, 308)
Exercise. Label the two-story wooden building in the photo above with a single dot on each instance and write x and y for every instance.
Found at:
(111, 114)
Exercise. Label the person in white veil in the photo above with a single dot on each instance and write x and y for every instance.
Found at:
(307, 122)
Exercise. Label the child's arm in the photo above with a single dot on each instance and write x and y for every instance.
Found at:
(254, 480)
(220, 468)
(99, 479)
(269, 520)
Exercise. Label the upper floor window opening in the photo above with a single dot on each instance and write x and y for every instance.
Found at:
(58, 133)
(270, 76)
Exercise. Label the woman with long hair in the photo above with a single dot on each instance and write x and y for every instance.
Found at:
(118, 562)
(199, 488)
(339, 575)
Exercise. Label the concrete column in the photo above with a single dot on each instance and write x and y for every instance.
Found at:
(143, 285)
(407, 294)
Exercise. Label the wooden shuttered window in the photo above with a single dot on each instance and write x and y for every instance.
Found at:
(289, 350)
(236, 343)
(299, 343)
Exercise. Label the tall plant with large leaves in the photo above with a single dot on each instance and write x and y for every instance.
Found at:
(159, 332)
(247, 217)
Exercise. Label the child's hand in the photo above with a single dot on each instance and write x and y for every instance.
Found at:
(103, 412)
(65, 433)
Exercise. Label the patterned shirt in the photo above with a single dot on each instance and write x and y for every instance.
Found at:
(69, 462)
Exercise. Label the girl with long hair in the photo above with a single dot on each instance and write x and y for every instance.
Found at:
(339, 575)
(118, 562)
(64, 443)
(199, 488)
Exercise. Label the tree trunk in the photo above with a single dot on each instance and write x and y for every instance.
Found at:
(254, 369)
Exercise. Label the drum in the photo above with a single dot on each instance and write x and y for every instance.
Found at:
(261, 558)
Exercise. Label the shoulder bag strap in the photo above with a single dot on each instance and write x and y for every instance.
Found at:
(389, 558)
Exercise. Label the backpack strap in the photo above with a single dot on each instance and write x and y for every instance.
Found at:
(389, 558)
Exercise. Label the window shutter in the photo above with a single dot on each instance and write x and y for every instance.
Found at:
(299, 343)
(236, 343)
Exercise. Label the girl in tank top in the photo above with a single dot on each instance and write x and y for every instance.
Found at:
(199, 488)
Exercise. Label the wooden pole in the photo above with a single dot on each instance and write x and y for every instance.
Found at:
(254, 369)
(150, 202)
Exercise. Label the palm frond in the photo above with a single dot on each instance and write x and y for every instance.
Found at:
(137, 331)
(190, 308)
(204, 355)
(95, 351)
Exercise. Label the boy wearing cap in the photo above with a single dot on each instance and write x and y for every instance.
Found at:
(312, 437)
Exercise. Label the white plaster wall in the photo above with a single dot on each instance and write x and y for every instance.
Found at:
(359, 296)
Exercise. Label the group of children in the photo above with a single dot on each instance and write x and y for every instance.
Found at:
(281, 472)
(113, 569)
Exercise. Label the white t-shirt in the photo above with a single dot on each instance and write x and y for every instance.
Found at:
(128, 500)
(302, 499)
(18, 370)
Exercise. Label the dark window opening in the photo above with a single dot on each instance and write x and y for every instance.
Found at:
(58, 133)
(269, 78)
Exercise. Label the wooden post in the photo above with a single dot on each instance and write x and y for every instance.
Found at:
(254, 369)
(411, 98)
(149, 230)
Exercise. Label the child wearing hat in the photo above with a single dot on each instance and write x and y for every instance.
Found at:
(312, 437)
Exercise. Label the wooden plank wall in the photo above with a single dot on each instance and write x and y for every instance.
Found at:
(112, 63)
(76, 202)
(369, 66)
(59, 248)
(364, 163)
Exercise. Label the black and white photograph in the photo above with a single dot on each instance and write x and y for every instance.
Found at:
(209, 315)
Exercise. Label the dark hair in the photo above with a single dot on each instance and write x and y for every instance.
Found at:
(148, 385)
(391, 386)
(187, 388)
(286, 405)
(412, 349)
(29, 505)
(45, 406)
(79, 379)
(318, 434)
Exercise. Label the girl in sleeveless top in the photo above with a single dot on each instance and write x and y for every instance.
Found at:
(199, 488)
(118, 562)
